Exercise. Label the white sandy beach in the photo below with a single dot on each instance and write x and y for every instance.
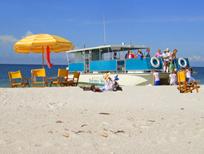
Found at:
(69, 120)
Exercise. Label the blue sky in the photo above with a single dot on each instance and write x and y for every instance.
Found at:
(158, 24)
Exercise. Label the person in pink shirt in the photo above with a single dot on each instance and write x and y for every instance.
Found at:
(158, 53)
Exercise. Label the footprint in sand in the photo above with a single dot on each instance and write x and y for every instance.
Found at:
(66, 134)
(104, 134)
(119, 131)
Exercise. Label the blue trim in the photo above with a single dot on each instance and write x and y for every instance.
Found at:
(138, 64)
(76, 67)
(111, 65)
(103, 65)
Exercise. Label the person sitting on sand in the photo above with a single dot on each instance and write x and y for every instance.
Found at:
(107, 86)
(108, 82)
(173, 78)
(110, 85)
(116, 86)
(156, 77)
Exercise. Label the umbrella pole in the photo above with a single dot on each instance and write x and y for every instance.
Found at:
(43, 62)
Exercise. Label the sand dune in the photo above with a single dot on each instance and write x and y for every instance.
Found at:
(70, 120)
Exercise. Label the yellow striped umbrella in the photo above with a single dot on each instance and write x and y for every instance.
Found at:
(36, 43)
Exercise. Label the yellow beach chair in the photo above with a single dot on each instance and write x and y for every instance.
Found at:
(61, 79)
(16, 79)
(183, 85)
(74, 81)
(38, 77)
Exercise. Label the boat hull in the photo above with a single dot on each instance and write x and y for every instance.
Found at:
(129, 79)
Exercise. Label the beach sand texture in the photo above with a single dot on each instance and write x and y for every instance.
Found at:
(139, 120)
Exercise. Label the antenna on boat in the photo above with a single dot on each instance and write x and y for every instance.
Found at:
(104, 31)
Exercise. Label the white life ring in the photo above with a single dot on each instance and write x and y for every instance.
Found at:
(182, 62)
(153, 60)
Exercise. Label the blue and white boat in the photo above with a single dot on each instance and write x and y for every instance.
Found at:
(93, 62)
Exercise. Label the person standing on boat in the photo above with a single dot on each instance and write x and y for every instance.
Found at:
(129, 55)
(147, 54)
(165, 57)
(171, 66)
(173, 56)
(114, 55)
(158, 53)
(140, 54)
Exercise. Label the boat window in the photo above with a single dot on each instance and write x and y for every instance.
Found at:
(95, 55)
(75, 57)
(106, 54)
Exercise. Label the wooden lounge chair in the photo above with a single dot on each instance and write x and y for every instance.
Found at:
(74, 81)
(194, 85)
(182, 82)
(38, 77)
(183, 85)
(61, 79)
(16, 79)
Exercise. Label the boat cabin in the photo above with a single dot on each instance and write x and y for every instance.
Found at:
(114, 58)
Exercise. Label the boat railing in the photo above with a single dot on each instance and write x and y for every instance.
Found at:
(76, 67)
(103, 66)
(121, 66)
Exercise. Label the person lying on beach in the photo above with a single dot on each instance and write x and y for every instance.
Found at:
(92, 88)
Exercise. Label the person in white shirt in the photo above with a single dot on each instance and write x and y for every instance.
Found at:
(189, 77)
(166, 59)
(172, 78)
(156, 78)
